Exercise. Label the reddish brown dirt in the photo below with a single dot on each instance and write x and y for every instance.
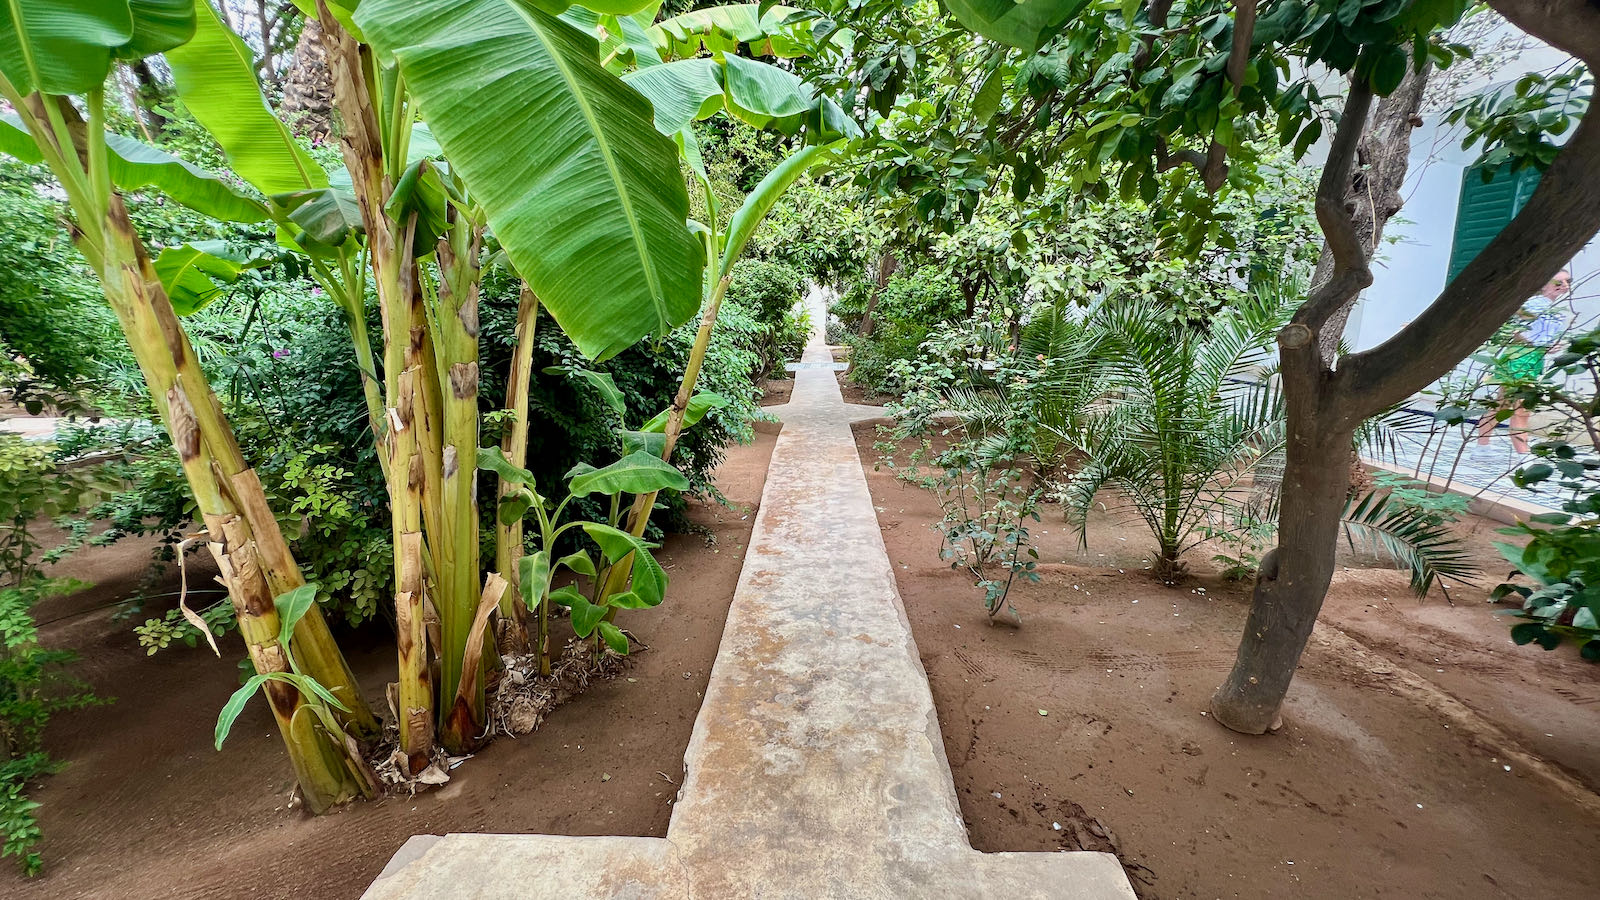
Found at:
(1093, 715)
(859, 395)
(777, 391)
(146, 807)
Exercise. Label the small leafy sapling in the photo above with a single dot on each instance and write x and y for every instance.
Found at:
(640, 472)
(292, 607)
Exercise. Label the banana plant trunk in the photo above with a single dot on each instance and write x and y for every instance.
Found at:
(251, 554)
(514, 444)
(455, 320)
(407, 371)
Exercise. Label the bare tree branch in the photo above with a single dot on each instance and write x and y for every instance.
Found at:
(1351, 272)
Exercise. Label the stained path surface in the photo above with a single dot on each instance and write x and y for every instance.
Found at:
(816, 768)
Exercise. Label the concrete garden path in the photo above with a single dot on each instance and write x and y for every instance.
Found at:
(816, 768)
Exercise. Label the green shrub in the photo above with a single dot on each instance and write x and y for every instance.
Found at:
(769, 293)
(909, 308)
(32, 684)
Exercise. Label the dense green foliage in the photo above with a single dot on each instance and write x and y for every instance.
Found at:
(34, 489)
(1557, 573)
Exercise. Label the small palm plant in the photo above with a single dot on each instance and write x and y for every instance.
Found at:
(1180, 426)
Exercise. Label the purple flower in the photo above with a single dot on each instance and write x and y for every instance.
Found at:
(280, 354)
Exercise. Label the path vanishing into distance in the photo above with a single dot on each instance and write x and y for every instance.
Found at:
(816, 767)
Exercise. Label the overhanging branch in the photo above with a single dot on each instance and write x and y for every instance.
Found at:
(1351, 271)
(1561, 217)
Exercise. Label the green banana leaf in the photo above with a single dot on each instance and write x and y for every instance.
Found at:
(215, 75)
(637, 473)
(67, 47)
(190, 272)
(134, 166)
(583, 193)
(760, 201)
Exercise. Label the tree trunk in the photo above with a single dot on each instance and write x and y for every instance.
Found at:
(308, 86)
(150, 94)
(887, 265)
(1293, 579)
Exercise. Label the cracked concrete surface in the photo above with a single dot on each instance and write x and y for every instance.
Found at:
(816, 767)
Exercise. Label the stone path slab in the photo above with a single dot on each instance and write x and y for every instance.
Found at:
(816, 767)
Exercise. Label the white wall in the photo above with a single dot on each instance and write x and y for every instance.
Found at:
(1411, 271)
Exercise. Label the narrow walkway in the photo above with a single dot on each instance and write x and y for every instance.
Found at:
(816, 768)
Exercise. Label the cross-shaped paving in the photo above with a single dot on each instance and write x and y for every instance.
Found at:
(816, 769)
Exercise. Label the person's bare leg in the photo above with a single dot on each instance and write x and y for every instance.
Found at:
(1488, 420)
(1520, 419)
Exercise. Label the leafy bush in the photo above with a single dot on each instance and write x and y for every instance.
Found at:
(32, 685)
(909, 308)
(1562, 559)
(55, 329)
(769, 293)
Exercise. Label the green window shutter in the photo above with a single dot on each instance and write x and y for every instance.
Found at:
(1485, 208)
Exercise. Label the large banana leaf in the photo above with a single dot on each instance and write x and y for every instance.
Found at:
(1025, 24)
(134, 165)
(761, 200)
(724, 28)
(760, 94)
(216, 78)
(67, 48)
(680, 92)
(583, 193)
(190, 272)
(158, 26)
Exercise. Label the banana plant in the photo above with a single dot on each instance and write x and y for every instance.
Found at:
(322, 704)
(51, 54)
(765, 96)
(639, 472)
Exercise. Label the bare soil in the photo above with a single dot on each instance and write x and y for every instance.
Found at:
(1092, 716)
(777, 391)
(146, 807)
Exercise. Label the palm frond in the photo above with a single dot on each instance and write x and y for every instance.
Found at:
(1406, 535)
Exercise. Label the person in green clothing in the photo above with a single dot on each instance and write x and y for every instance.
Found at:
(1530, 334)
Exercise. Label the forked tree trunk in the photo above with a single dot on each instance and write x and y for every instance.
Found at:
(1326, 404)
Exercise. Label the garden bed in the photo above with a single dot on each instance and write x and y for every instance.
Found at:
(146, 806)
(1092, 716)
